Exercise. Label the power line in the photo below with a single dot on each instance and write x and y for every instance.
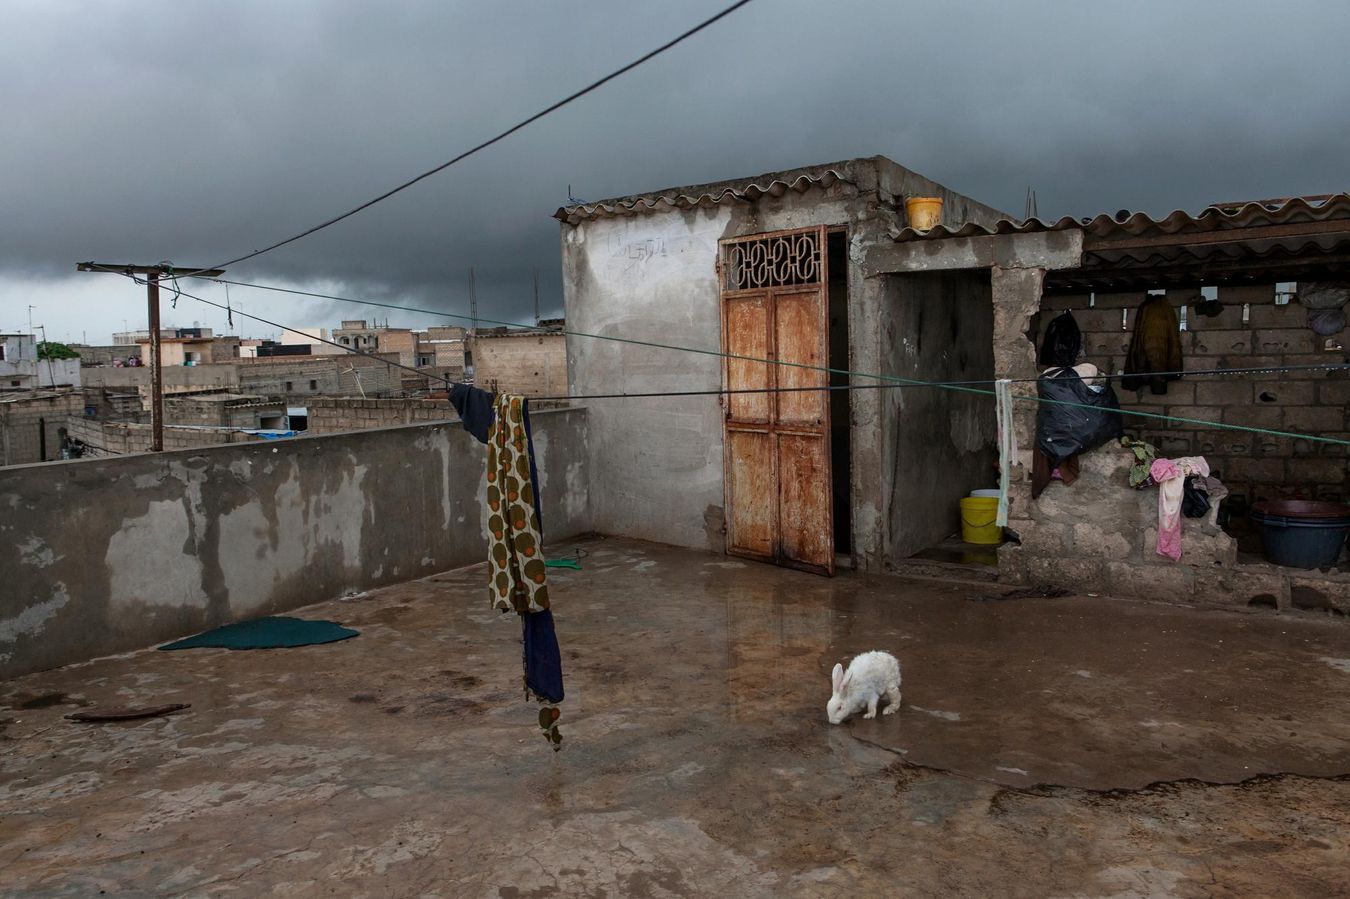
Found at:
(284, 328)
(475, 319)
(887, 381)
(505, 134)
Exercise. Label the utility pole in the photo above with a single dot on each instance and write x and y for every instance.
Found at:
(36, 360)
(152, 274)
(51, 371)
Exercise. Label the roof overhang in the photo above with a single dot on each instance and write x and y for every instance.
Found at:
(1287, 240)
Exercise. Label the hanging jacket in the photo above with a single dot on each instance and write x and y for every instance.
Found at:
(1155, 347)
(1063, 342)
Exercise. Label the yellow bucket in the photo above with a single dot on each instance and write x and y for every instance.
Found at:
(978, 514)
(924, 213)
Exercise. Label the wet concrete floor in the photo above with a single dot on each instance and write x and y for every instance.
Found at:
(1045, 747)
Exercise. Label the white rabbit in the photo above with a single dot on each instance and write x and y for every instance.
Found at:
(869, 676)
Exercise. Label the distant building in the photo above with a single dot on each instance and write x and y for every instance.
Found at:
(21, 369)
(358, 334)
(525, 361)
(131, 338)
(192, 350)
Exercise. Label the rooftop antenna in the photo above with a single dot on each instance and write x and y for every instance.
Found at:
(536, 298)
(571, 199)
(1031, 211)
(473, 304)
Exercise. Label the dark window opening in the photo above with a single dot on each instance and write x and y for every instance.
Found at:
(841, 456)
(313, 385)
(288, 386)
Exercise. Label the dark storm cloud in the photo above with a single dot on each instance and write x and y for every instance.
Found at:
(196, 132)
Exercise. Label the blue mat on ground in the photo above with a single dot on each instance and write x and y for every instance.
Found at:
(273, 632)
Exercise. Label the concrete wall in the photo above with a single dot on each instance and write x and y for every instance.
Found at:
(941, 443)
(23, 421)
(331, 415)
(526, 364)
(177, 378)
(235, 412)
(109, 555)
(42, 373)
(347, 375)
(1311, 402)
(652, 277)
(121, 438)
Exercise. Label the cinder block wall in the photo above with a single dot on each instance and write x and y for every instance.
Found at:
(22, 426)
(332, 415)
(1272, 335)
(529, 365)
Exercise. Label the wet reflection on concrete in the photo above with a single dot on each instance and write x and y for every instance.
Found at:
(1070, 746)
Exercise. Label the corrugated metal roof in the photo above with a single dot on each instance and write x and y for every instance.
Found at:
(1106, 227)
(745, 191)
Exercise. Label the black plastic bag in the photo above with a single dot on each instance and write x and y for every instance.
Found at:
(1194, 500)
(1076, 419)
(1063, 342)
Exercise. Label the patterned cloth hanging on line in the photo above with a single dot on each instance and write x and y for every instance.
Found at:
(517, 573)
(517, 576)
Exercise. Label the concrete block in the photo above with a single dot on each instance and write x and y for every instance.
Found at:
(1334, 392)
(1041, 537)
(1314, 419)
(1201, 414)
(1167, 583)
(1311, 593)
(1106, 540)
(1284, 340)
(1173, 446)
(1072, 574)
(1241, 587)
(1272, 316)
(1317, 471)
(1179, 393)
(1100, 344)
(1254, 416)
(1223, 393)
(1217, 343)
(1288, 392)
(1256, 471)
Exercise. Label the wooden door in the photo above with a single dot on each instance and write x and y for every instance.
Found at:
(775, 307)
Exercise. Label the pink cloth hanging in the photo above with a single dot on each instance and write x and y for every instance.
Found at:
(1171, 476)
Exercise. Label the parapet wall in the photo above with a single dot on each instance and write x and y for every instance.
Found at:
(113, 554)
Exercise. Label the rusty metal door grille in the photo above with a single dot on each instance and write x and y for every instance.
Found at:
(778, 259)
(776, 447)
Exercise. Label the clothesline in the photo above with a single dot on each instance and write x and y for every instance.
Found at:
(886, 380)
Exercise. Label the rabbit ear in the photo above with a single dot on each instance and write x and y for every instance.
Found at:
(837, 677)
(848, 679)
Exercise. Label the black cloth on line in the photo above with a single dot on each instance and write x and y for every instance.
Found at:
(475, 409)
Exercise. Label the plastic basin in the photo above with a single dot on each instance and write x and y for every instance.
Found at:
(1302, 533)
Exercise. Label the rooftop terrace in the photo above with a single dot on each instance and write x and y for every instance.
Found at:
(1072, 747)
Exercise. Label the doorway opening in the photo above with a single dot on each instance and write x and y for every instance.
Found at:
(841, 421)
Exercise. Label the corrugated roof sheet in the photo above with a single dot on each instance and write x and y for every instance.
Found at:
(1107, 227)
(746, 191)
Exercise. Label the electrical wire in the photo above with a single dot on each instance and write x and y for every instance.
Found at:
(888, 380)
(1326, 366)
(502, 136)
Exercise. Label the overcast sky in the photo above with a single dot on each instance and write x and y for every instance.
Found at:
(196, 132)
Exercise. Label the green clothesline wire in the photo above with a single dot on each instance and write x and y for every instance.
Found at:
(891, 379)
